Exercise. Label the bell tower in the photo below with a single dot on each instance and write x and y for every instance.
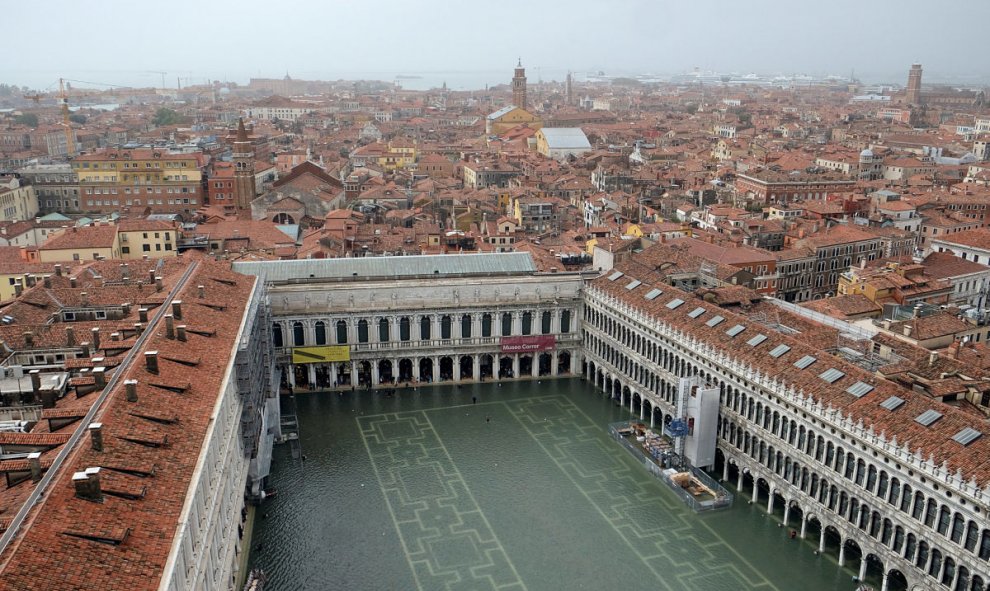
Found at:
(913, 94)
(519, 86)
(244, 189)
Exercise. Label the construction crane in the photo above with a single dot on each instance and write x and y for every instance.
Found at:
(63, 99)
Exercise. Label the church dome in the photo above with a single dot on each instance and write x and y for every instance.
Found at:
(867, 153)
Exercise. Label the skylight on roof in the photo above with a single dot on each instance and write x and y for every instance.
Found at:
(634, 284)
(831, 375)
(696, 312)
(615, 275)
(653, 294)
(892, 403)
(928, 417)
(715, 321)
(779, 350)
(805, 361)
(735, 330)
(675, 303)
(967, 436)
(756, 340)
(859, 389)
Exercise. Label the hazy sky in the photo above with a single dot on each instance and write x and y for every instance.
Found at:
(125, 41)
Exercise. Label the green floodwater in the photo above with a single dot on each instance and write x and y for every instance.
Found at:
(522, 491)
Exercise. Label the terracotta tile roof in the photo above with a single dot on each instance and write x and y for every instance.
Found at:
(934, 442)
(101, 236)
(144, 486)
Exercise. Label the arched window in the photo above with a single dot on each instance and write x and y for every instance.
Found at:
(527, 323)
(466, 326)
(565, 321)
(445, 327)
(506, 324)
(383, 330)
(362, 331)
(298, 334)
(545, 322)
(424, 328)
(486, 325)
(321, 332)
(277, 334)
(404, 328)
(341, 332)
(958, 528)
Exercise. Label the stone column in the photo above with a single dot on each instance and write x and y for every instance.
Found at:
(842, 554)
(375, 378)
(436, 368)
(534, 369)
(553, 362)
(941, 571)
(475, 367)
(756, 490)
(883, 584)
(292, 375)
(333, 374)
(354, 373)
(642, 408)
(787, 512)
(739, 481)
(862, 566)
(516, 322)
(515, 365)
(821, 540)
(770, 502)
(804, 526)
(311, 374)
(862, 509)
(630, 401)
(415, 368)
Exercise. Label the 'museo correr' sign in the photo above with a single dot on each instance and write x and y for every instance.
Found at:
(545, 342)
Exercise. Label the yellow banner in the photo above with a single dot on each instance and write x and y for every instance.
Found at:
(321, 354)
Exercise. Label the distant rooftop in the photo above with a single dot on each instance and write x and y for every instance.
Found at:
(513, 263)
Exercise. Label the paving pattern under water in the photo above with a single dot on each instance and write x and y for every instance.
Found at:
(523, 490)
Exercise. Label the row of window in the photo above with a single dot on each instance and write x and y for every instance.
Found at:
(426, 328)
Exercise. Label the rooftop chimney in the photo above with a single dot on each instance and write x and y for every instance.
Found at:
(18, 289)
(72, 281)
(58, 270)
(85, 298)
(177, 309)
(181, 332)
(130, 388)
(88, 485)
(115, 336)
(138, 328)
(47, 281)
(95, 331)
(70, 336)
(907, 330)
(158, 283)
(125, 271)
(143, 314)
(151, 358)
(100, 375)
(35, 380)
(34, 462)
(96, 436)
(28, 338)
(201, 291)
(169, 326)
(151, 275)
(85, 348)
(932, 358)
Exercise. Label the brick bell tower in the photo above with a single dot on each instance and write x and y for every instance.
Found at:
(519, 86)
(244, 189)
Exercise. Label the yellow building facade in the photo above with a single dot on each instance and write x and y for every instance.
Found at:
(506, 118)
(139, 179)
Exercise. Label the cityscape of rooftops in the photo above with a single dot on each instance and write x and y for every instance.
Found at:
(511, 297)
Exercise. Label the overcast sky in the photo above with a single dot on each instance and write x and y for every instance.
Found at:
(126, 41)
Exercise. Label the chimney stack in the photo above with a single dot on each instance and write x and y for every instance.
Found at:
(130, 387)
(47, 281)
(158, 283)
(151, 275)
(115, 336)
(201, 291)
(169, 326)
(125, 271)
(58, 270)
(88, 485)
(177, 309)
(99, 374)
(907, 330)
(72, 281)
(96, 337)
(96, 436)
(34, 462)
(28, 338)
(932, 358)
(84, 296)
(151, 358)
(70, 336)
(35, 381)
(143, 314)
(181, 332)
(138, 328)
(85, 348)
(18, 289)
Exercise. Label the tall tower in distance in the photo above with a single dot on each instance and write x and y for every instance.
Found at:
(914, 85)
(519, 86)
(570, 90)
(244, 190)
